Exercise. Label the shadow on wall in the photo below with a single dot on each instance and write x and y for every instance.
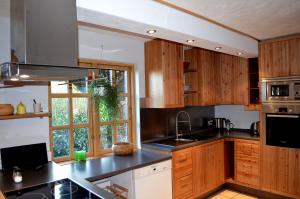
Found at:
(160, 123)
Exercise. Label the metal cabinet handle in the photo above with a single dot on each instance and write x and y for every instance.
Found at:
(283, 116)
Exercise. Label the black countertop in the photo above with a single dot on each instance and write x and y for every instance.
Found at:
(164, 145)
(82, 173)
(100, 168)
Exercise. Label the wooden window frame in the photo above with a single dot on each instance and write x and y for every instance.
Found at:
(94, 122)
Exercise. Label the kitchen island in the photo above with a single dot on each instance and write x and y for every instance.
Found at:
(82, 173)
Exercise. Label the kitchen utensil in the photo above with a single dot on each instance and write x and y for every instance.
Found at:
(6, 109)
(254, 128)
(229, 125)
(220, 123)
(21, 108)
(122, 148)
(37, 107)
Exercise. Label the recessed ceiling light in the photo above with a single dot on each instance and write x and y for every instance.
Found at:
(151, 31)
(218, 48)
(190, 41)
(24, 76)
(240, 53)
(14, 79)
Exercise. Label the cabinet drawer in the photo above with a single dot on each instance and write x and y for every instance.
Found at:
(182, 163)
(247, 173)
(183, 187)
(247, 149)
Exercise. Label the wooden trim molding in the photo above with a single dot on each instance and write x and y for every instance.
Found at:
(282, 38)
(204, 18)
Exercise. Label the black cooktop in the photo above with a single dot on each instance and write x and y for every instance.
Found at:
(62, 189)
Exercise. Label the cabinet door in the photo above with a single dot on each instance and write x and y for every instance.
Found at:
(173, 74)
(200, 169)
(280, 170)
(240, 81)
(208, 167)
(226, 70)
(274, 59)
(295, 56)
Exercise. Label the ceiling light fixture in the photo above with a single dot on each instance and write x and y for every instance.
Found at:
(24, 76)
(218, 48)
(14, 79)
(240, 53)
(190, 41)
(151, 31)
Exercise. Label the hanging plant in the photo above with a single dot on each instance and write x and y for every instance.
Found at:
(105, 97)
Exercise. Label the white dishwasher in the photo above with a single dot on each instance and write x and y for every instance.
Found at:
(154, 181)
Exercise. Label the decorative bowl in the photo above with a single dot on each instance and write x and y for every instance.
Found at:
(122, 148)
(6, 109)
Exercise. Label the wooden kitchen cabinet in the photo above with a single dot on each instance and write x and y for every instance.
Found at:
(164, 74)
(281, 170)
(182, 174)
(247, 162)
(206, 80)
(220, 78)
(234, 80)
(208, 167)
(279, 58)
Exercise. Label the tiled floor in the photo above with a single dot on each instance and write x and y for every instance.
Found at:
(228, 194)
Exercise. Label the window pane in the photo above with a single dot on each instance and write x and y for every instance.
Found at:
(81, 139)
(59, 87)
(105, 74)
(106, 136)
(122, 134)
(121, 81)
(80, 86)
(123, 108)
(104, 113)
(61, 143)
(80, 110)
(60, 111)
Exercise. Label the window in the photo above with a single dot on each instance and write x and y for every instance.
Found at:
(74, 123)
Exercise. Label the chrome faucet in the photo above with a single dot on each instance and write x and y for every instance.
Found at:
(188, 119)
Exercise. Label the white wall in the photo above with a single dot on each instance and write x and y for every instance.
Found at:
(237, 115)
(116, 47)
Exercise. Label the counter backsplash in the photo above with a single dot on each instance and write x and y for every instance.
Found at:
(159, 123)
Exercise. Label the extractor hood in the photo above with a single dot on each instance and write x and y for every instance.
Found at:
(44, 41)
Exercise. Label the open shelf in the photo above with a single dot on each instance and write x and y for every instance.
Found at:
(23, 116)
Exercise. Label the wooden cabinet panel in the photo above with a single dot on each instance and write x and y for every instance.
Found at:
(163, 74)
(226, 71)
(240, 81)
(279, 58)
(280, 170)
(208, 167)
(294, 57)
(182, 173)
(247, 162)
(183, 187)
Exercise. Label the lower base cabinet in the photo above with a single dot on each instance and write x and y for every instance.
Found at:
(281, 171)
(247, 162)
(208, 167)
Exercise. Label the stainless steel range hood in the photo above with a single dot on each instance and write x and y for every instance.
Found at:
(44, 41)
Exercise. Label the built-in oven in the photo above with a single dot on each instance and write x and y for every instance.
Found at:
(281, 124)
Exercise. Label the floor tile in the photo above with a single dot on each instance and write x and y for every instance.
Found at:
(228, 193)
(243, 196)
(218, 196)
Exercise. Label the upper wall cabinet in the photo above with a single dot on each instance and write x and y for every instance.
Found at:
(220, 78)
(279, 58)
(206, 80)
(164, 74)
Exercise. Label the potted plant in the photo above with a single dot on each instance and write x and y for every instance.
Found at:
(105, 97)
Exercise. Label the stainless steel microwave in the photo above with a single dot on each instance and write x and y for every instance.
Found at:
(284, 89)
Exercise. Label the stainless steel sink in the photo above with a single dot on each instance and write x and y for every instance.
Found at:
(183, 140)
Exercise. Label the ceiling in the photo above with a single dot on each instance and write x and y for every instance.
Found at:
(260, 19)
